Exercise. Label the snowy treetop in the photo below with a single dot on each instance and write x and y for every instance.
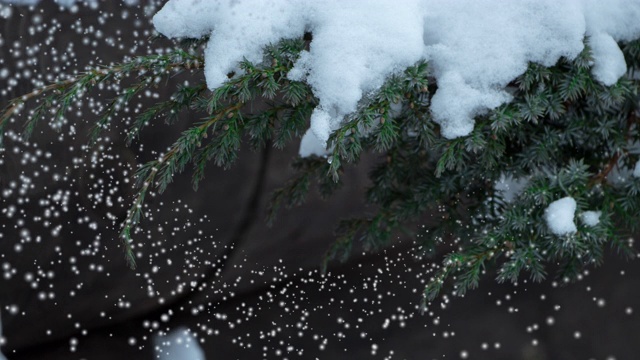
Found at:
(475, 48)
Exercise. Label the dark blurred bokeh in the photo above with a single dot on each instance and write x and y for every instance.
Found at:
(208, 262)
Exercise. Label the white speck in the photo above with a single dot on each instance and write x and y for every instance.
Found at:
(311, 145)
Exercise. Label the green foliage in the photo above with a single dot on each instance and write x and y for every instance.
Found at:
(564, 134)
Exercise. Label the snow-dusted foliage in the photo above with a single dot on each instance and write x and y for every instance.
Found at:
(559, 216)
(476, 48)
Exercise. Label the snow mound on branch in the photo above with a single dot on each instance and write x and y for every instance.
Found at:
(2, 357)
(559, 216)
(591, 218)
(475, 47)
(609, 63)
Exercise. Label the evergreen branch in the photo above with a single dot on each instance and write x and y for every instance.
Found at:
(295, 190)
(113, 106)
(599, 178)
(184, 97)
(67, 90)
(470, 263)
(173, 161)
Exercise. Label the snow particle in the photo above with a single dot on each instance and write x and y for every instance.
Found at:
(628, 310)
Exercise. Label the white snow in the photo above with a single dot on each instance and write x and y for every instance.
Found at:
(609, 63)
(310, 145)
(179, 344)
(474, 47)
(591, 218)
(636, 170)
(559, 216)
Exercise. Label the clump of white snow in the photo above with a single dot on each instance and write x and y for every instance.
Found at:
(636, 170)
(559, 216)
(474, 47)
(608, 22)
(591, 218)
(310, 145)
(609, 63)
(478, 47)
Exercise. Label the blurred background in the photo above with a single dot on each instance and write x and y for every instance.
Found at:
(213, 281)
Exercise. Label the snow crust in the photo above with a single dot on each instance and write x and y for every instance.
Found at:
(475, 47)
(609, 63)
(559, 216)
(591, 218)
